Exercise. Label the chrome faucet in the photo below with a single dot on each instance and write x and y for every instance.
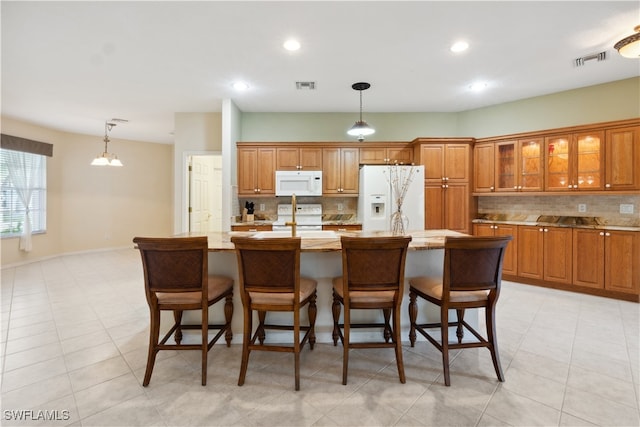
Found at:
(293, 223)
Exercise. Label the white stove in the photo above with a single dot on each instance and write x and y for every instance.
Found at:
(308, 217)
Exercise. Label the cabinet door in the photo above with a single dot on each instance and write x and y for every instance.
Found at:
(589, 169)
(457, 162)
(432, 157)
(530, 169)
(510, 263)
(330, 170)
(622, 261)
(557, 254)
(622, 166)
(373, 156)
(402, 156)
(557, 171)
(433, 207)
(483, 160)
(588, 258)
(506, 166)
(456, 207)
(287, 158)
(266, 173)
(530, 251)
(350, 170)
(483, 230)
(247, 170)
(311, 159)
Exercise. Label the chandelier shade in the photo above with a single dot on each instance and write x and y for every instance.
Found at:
(361, 128)
(629, 47)
(105, 158)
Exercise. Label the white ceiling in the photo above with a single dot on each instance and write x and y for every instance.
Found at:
(72, 65)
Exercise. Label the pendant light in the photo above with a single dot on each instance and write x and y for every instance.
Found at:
(361, 129)
(629, 47)
(105, 158)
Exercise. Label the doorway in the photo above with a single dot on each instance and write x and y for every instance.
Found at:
(204, 204)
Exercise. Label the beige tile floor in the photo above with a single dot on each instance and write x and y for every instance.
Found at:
(74, 337)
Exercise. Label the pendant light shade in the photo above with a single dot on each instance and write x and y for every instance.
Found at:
(361, 129)
(629, 47)
(105, 158)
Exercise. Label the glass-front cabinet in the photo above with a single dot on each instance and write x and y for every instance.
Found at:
(575, 161)
(518, 165)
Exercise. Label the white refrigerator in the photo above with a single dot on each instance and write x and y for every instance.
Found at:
(377, 201)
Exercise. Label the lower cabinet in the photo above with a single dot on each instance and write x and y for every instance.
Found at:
(607, 260)
(545, 253)
(252, 227)
(510, 263)
(342, 227)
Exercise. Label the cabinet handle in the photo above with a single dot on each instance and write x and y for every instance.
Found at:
(575, 185)
(607, 186)
(569, 186)
(607, 234)
(519, 187)
(541, 230)
(492, 188)
(546, 230)
(515, 187)
(601, 233)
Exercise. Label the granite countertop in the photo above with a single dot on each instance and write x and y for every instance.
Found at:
(596, 223)
(421, 240)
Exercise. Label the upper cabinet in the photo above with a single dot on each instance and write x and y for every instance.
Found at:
(518, 165)
(446, 162)
(340, 171)
(256, 171)
(622, 159)
(483, 167)
(294, 158)
(575, 161)
(386, 155)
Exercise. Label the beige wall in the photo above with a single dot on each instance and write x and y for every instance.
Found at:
(91, 207)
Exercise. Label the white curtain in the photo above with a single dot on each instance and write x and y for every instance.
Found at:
(24, 171)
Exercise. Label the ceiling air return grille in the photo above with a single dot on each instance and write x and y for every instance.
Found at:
(580, 62)
(306, 85)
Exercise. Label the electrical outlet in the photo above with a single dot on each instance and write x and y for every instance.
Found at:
(626, 208)
(262, 207)
(340, 206)
(582, 207)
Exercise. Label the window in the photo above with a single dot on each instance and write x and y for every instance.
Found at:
(19, 172)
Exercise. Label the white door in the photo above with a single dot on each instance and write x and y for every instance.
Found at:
(205, 193)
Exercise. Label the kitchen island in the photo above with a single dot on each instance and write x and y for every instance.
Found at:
(321, 259)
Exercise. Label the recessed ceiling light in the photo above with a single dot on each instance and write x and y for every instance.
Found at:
(478, 86)
(292, 45)
(460, 46)
(240, 86)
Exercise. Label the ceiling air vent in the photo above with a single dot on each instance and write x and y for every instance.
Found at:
(601, 56)
(306, 85)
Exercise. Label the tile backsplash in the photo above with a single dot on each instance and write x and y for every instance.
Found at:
(606, 207)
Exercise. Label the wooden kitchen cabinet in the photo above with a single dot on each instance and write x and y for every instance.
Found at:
(294, 158)
(342, 227)
(622, 159)
(251, 227)
(386, 155)
(256, 171)
(483, 167)
(575, 161)
(510, 263)
(607, 259)
(447, 196)
(446, 206)
(545, 253)
(340, 171)
(518, 165)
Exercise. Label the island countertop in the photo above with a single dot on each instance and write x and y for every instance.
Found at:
(421, 239)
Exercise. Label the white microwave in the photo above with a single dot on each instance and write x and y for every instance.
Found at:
(300, 183)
